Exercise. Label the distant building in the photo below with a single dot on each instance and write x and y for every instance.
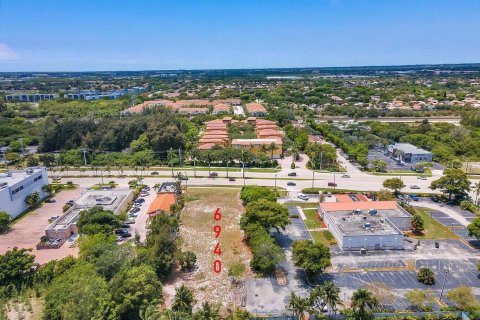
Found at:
(114, 200)
(30, 97)
(411, 154)
(372, 225)
(192, 111)
(167, 195)
(221, 108)
(255, 145)
(256, 109)
(16, 185)
(97, 95)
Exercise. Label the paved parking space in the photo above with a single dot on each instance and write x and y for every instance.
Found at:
(140, 225)
(27, 232)
(264, 295)
(392, 164)
(445, 219)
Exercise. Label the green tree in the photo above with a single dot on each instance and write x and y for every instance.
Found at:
(253, 193)
(32, 161)
(241, 314)
(420, 299)
(426, 276)
(183, 301)
(326, 294)
(187, 260)
(418, 224)
(454, 182)
(312, 257)
(463, 297)
(133, 289)
(266, 213)
(97, 220)
(362, 302)
(384, 195)
(79, 293)
(150, 313)
(395, 184)
(105, 254)
(32, 199)
(16, 267)
(474, 228)
(379, 165)
(207, 312)
(4, 221)
(298, 306)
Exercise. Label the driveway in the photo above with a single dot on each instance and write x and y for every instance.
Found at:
(27, 232)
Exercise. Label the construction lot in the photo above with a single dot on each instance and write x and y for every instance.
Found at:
(196, 230)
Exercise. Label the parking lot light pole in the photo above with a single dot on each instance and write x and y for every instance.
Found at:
(444, 279)
(275, 181)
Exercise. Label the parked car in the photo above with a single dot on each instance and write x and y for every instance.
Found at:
(231, 179)
(130, 221)
(414, 197)
(332, 184)
(107, 188)
(126, 235)
(400, 197)
(291, 183)
(135, 209)
(70, 202)
(144, 194)
(50, 201)
(213, 174)
(140, 200)
(345, 176)
(53, 218)
(154, 173)
(56, 178)
(422, 178)
(302, 196)
(435, 199)
(119, 238)
(125, 226)
(180, 177)
(132, 214)
(414, 187)
(292, 174)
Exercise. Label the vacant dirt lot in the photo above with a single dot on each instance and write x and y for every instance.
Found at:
(198, 236)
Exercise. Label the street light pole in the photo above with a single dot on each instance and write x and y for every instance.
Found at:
(443, 285)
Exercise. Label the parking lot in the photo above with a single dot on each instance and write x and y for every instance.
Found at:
(265, 295)
(26, 233)
(392, 165)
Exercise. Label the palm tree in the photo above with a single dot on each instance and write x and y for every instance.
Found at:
(183, 301)
(264, 148)
(476, 188)
(209, 158)
(298, 306)
(208, 312)
(227, 156)
(273, 147)
(171, 158)
(331, 295)
(32, 199)
(361, 300)
(150, 313)
(194, 153)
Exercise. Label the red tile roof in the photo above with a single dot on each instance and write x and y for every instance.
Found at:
(338, 206)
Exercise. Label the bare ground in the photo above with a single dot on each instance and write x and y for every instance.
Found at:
(196, 229)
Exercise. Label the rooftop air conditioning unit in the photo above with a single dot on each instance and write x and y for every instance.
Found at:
(366, 225)
(357, 211)
(3, 185)
(29, 171)
(372, 212)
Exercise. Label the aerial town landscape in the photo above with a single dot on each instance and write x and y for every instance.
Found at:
(238, 193)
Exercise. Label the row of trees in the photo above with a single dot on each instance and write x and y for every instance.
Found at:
(263, 213)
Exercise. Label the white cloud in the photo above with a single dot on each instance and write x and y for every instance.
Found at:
(6, 53)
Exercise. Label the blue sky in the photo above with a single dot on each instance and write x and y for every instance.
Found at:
(79, 35)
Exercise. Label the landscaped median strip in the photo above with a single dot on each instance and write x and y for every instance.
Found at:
(409, 266)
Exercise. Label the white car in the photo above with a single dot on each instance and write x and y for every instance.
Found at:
(302, 196)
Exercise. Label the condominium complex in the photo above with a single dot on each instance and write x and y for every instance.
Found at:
(30, 97)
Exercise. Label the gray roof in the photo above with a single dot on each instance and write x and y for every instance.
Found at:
(409, 148)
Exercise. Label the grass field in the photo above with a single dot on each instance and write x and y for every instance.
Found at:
(324, 237)
(312, 221)
(434, 230)
(197, 223)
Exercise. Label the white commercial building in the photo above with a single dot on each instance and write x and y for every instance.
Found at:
(16, 185)
(370, 225)
(114, 200)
